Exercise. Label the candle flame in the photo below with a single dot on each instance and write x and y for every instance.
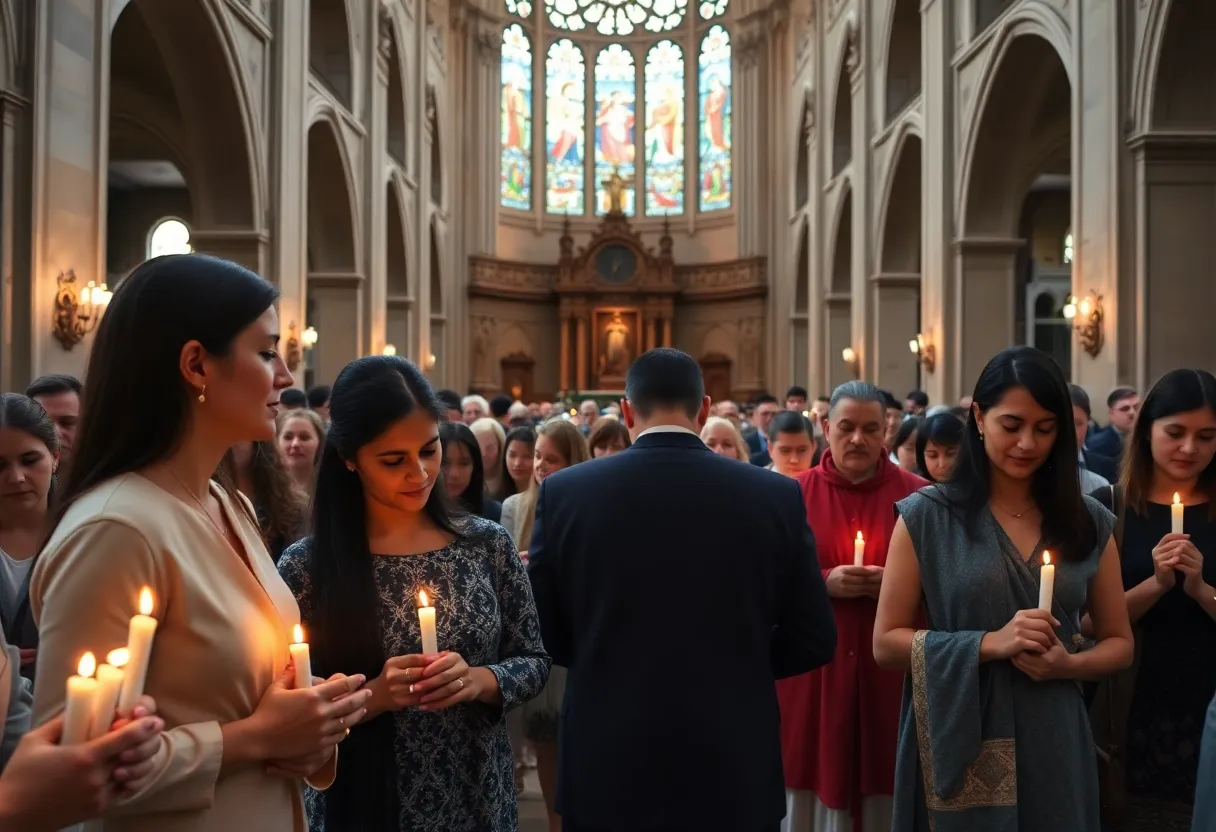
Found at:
(119, 657)
(1177, 498)
(297, 635)
(1047, 558)
(87, 666)
(423, 601)
(860, 539)
(145, 601)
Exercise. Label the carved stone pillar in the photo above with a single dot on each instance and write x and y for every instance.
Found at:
(375, 295)
(666, 331)
(751, 130)
(564, 382)
(580, 349)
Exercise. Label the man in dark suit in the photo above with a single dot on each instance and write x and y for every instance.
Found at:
(676, 585)
(1104, 466)
(756, 434)
(1121, 407)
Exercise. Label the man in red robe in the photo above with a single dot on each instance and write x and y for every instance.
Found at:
(839, 723)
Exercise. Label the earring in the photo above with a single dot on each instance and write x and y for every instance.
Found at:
(202, 394)
(350, 466)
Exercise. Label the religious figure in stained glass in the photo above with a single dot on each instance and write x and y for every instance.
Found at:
(614, 121)
(565, 78)
(664, 93)
(714, 85)
(516, 118)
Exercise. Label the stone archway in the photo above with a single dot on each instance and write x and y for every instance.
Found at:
(329, 48)
(334, 279)
(897, 284)
(179, 139)
(398, 331)
(1008, 156)
(842, 120)
(903, 82)
(838, 328)
(1177, 195)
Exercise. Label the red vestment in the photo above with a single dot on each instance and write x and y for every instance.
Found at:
(840, 723)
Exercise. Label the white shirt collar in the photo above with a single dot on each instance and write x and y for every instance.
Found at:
(666, 429)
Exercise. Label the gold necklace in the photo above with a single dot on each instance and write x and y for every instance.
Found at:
(1011, 514)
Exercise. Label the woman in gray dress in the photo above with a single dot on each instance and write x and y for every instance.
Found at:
(993, 730)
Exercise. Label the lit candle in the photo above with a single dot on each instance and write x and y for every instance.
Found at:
(426, 623)
(1047, 582)
(109, 685)
(300, 658)
(139, 647)
(859, 550)
(78, 706)
(1176, 514)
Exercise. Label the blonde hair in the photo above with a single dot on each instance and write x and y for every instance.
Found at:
(485, 425)
(740, 445)
(312, 417)
(572, 446)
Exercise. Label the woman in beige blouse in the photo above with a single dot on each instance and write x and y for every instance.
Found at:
(186, 365)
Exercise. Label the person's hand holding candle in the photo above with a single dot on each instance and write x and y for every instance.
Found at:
(448, 681)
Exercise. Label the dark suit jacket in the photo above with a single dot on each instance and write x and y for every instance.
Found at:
(676, 585)
(1106, 442)
(1205, 792)
(1103, 466)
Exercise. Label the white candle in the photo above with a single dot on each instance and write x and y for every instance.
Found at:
(1176, 514)
(300, 658)
(859, 550)
(426, 623)
(109, 685)
(78, 706)
(139, 647)
(1047, 582)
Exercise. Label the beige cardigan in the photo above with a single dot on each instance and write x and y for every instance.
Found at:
(222, 638)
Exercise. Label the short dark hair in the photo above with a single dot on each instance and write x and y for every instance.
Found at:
(919, 398)
(54, 384)
(795, 392)
(293, 397)
(1080, 399)
(318, 396)
(1119, 394)
(665, 378)
(824, 399)
(500, 404)
(766, 398)
(889, 400)
(790, 421)
(450, 399)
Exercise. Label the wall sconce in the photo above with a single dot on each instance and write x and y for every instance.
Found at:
(389, 349)
(309, 337)
(850, 358)
(1086, 316)
(924, 352)
(77, 311)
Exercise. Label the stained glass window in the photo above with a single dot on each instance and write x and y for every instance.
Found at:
(713, 86)
(566, 100)
(1068, 249)
(516, 164)
(615, 114)
(616, 17)
(709, 8)
(523, 8)
(664, 96)
(171, 236)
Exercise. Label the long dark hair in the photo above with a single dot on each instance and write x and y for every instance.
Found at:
(1178, 391)
(369, 395)
(136, 407)
(1068, 527)
(22, 413)
(524, 434)
(281, 508)
(943, 429)
(473, 498)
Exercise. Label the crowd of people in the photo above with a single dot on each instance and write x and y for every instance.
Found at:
(850, 613)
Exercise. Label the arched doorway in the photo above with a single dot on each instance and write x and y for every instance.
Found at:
(1023, 135)
(897, 284)
(179, 144)
(334, 280)
(838, 330)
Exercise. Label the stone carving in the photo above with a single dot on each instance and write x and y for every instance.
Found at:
(483, 348)
(852, 46)
(385, 42)
(741, 274)
(488, 43)
(616, 185)
(489, 274)
(750, 44)
(566, 241)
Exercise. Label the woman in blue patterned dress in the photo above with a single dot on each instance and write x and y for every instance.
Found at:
(432, 753)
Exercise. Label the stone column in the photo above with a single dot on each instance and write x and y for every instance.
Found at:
(564, 382)
(666, 331)
(939, 303)
(861, 259)
(838, 333)
(896, 322)
(9, 293)
(987, 268)
(422, 182)
(580, 349)
(375, 198)
(288, 151)
(751, 128)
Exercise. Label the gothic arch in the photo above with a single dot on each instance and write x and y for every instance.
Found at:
(1028, 72)
(842, 114)
(332, 230)
(331, 48)
(396, 254)
(397, 143)
(1184, 66)
(899, 223)
(437, 270)
(182, 89)
(437, 155)
(903, 70)
(802, 161)
(802, 273)
(842, 245)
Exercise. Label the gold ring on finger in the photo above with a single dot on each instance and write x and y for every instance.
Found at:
(347, 734)
(461, 683)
